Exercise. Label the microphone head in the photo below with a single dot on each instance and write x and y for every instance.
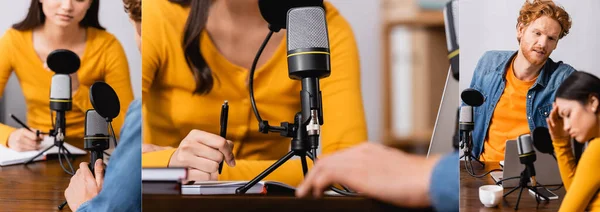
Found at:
(307, 43)
(95, 124)
(307, 29)
(275, 11)
(542, 140)
(472, 97)
(105, 100)
(63, 61)
(525, 146)
(60, 88)
(466, 114)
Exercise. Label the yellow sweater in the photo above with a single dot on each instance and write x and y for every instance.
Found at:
(171, 110)
(582, 180)
(103, 60)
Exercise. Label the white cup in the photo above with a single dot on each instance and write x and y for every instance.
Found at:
(490, 195)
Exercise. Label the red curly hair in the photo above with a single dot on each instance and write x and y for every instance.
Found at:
(535, 9)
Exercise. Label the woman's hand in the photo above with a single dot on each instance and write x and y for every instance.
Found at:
(24, 140)
(556, 126)
(202, 152)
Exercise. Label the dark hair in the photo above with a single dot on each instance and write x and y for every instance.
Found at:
(35, 17)
(195, 23)
(579, 86)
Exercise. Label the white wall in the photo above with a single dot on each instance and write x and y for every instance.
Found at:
(363, 16)
(112, 17)
(490, 25)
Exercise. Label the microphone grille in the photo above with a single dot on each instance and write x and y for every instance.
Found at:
(95, 124)
(307, 28)
(525, 144)
(60, 88)
(466, 114)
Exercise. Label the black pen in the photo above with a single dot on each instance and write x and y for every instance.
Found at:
(223, 133)
(37, 133)
(20, 122)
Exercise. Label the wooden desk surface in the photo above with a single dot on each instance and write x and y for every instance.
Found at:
(152, 202)
(39, 186)
(469, 193)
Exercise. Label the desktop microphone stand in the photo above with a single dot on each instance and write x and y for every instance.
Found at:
(467, 146)
(59, 139)
(299, 147)
(523, 183)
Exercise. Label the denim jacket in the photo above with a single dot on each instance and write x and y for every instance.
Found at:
(489, 79)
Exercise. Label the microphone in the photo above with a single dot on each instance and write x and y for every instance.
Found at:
(106, 103)
(62, 62)
(451, 20)
(542, 140)
(308, 61)
(96, 138)
(472, 98)
(275, 11)
(527, 155)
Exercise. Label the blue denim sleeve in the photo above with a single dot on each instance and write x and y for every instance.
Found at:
(122, 184)
(443, 190)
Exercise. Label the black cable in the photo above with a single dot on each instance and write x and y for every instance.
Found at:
(60, 152)
(509, 178)
(251, 79)
(557, 188)
(472, 173)
(113, 134)
(52, 119)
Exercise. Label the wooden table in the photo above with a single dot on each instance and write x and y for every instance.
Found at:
(39, 186)
(469, 193)
(153, 202)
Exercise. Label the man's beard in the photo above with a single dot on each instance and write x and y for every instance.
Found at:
(535, 61)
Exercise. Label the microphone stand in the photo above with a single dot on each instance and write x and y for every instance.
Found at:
(302, 144)
(58, 133)
(524, 179)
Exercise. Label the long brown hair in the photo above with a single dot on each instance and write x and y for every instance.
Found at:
(36, 17)
(195, 23)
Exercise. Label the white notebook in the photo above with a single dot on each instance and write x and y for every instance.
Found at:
(229, 187)
(11, 157)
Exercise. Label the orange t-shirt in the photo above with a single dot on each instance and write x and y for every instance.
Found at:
(510, 117)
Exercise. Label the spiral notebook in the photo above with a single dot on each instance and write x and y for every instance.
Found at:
(229, 187)
(11, 157)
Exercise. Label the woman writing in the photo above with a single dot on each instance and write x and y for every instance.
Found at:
(51, 25)
(196, 54)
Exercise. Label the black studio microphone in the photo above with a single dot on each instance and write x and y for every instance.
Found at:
(308, 61)
(62, 62)
(275, 11)
(96, 138)
(472, 98)
(106, 103)
(451, 20)
(527, 155)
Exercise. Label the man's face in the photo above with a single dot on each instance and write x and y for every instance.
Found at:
(539, 39)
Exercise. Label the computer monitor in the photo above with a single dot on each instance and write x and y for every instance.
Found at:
(445, 124)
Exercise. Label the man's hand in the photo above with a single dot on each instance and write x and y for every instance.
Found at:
(375, 171)
(83, 186)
